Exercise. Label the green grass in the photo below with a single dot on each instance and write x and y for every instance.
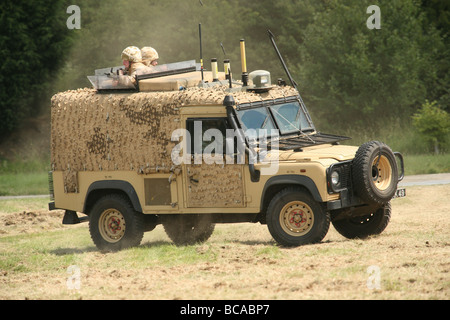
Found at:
(53, 250)
(24, 177)
(427, 164)
(27, 183)
(46, 251)
(26, 204)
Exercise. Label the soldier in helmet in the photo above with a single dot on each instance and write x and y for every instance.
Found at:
(132, 60)
(149, 56)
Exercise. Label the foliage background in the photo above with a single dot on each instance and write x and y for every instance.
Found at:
(347, 73)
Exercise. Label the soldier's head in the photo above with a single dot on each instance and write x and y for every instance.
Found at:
(130, 55)
(149, 56)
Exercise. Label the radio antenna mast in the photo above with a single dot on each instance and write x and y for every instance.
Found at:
(201, 48)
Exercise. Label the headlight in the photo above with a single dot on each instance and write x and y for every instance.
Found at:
(339, 176)
(335, 178)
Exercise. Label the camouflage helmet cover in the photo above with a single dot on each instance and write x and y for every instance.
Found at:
(149, 54)
(132, 54)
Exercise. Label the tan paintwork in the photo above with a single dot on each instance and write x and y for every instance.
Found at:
(127, 137)
(336, 152)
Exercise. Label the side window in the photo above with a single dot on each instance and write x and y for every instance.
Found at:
(207, 135)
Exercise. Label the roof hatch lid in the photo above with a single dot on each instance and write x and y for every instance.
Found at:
(107, 79)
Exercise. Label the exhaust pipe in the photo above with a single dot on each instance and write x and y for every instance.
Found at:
(244, 64)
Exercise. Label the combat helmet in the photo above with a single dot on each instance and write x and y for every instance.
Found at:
(132, 54)
(149, 54)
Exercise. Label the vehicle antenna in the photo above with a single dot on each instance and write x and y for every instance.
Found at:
(201, 47)
(272, 39)
(223, 49)
(294, 84)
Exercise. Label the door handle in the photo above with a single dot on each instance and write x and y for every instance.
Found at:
(193, 180)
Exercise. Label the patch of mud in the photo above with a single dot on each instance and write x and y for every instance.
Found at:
(30, 222)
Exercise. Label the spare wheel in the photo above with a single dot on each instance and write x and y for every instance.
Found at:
(375, 173)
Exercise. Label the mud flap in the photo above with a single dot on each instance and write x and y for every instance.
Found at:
(71, 217)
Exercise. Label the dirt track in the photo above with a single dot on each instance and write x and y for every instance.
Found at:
(243, 262)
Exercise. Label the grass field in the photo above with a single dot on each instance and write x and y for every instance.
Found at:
(42, 259)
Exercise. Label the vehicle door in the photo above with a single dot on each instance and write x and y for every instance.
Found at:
(212, 179)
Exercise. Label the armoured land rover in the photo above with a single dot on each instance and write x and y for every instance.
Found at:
(188, 149)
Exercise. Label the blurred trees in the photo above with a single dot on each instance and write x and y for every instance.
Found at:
(433, 123)
(33, 41)
(351, 72)
(345, 71)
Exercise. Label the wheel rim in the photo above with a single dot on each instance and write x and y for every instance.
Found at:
(296, 218)
(112, 225)
(381, 174)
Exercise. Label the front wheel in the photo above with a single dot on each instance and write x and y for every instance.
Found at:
(363, 226)
(294, 218)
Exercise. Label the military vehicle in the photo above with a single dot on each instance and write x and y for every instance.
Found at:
(189, 148)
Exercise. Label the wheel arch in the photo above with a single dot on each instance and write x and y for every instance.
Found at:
(99, 188)
(276, 184)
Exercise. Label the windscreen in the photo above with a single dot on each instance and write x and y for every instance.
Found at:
(254, 120)
(290, 117)
(286, 117)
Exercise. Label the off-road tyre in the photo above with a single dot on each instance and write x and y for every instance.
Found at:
(294, 218)
(375, 173)
(114, 224)
(188, 229)
(363, 226)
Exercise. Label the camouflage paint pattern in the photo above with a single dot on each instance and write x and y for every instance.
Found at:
(128, 131)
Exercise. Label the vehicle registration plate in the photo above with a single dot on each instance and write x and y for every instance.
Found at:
(400, 193)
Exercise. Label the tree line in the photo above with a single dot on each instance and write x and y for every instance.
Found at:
(345, 70)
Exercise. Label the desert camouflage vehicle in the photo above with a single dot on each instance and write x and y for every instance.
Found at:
(188, 149)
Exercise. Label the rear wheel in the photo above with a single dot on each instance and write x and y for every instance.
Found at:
(114, 224)
(363, 226)
(188, 229)
(294, 218)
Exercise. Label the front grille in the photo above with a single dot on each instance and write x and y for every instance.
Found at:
(346, 175)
